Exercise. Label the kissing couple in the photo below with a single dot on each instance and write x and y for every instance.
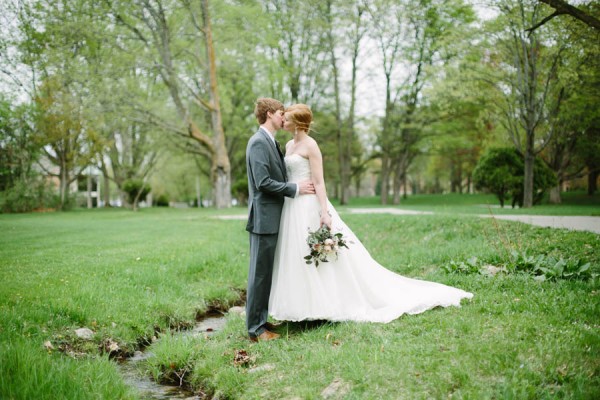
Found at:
(287, 199)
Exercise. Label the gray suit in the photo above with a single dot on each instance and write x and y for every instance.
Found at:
(267, 188)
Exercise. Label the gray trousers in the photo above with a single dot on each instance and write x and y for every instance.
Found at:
(262, 257)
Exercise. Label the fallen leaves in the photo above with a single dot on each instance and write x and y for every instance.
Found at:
(110, 346)
(241, 358)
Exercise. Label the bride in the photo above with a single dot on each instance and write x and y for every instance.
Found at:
(351, 287)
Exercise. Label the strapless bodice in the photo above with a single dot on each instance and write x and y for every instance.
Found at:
(298, 168)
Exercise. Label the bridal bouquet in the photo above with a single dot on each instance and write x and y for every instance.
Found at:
(322, 244)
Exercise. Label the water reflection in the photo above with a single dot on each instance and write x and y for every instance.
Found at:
(134, 375)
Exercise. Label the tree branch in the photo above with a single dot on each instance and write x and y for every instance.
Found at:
(562, 7)
(542, 22)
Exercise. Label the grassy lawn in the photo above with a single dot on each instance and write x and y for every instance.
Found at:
(133, 276)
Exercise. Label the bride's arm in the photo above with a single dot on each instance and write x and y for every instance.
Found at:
(316, 168)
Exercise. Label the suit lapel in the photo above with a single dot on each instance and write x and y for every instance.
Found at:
(276, 152)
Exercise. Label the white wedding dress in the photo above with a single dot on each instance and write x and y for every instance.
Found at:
(353, 287)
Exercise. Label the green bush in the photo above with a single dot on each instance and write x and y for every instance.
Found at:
(240, 190)
(162, 200)
(132, 187)
(28, 196)
(501, 172)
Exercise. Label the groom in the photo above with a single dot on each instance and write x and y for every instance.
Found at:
(267, 187)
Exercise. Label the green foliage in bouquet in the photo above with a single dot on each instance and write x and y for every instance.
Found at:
(322, 244)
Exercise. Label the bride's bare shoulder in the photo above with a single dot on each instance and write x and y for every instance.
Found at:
(312, 145)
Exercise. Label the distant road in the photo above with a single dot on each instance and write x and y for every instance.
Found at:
(577, 223)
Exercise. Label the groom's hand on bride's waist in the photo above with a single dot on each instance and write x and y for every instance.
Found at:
(306, 187)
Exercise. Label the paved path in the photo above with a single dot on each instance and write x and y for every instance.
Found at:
(578, 223)
(396, 211)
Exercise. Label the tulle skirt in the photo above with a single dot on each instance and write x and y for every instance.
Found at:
(351, 287)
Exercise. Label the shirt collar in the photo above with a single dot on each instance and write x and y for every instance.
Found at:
(272, 136)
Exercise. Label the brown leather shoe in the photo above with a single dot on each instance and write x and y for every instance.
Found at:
(265, 336)
(272, 327)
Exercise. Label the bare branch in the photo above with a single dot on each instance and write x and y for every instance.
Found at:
(542, 22)
(562, 7)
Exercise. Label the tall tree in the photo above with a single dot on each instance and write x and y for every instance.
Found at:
(345, 31)
(243, 76)
(297, 49)
(388, 33)
(574, 120)
(18, 150)
(189, 73)
(57, 39)
(573, 151)
(68, 142)
(415, 36)
(528, 82)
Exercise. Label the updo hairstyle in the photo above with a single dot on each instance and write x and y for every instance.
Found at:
(300, 115)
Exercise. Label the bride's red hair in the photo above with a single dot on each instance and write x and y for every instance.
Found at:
(300, 115)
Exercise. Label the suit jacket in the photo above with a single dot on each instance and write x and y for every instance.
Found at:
(267, 184)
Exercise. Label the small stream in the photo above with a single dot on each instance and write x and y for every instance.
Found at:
(133, 372)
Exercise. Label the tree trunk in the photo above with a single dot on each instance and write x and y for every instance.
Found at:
(397, 185)
(136, 199)
(454, 177)
(339, 129)
(592, 182)
(528, 180)
(89, 191)
(357, 185)
(106, 185)
(350, 134)
(106, 191)
(385, 177)
(459, 177)
(64, 186)
(221, 169)
(555, 194)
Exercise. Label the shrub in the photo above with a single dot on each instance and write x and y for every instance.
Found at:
(498, 171)
(26, 196)
(240, 190)
(162, 201)
(501, 171)
(132, 187)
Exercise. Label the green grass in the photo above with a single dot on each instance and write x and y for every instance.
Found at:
(131, 276)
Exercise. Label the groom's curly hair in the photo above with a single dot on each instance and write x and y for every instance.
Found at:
(265, 105)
